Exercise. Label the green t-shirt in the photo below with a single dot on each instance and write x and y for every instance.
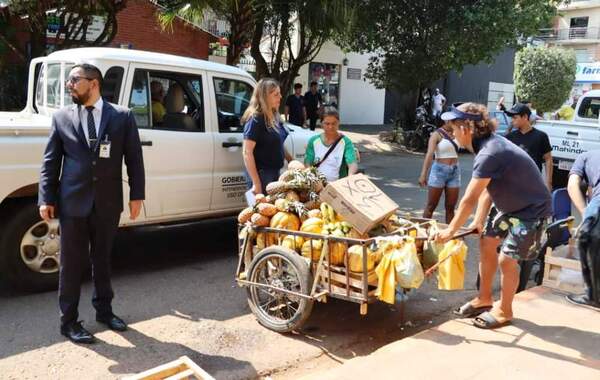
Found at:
(336, 164)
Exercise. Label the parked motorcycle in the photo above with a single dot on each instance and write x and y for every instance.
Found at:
(418, 138)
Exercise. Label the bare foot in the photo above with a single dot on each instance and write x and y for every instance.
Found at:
(500, 315)
(476, 302)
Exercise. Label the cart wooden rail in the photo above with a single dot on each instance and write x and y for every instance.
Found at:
(282, 285)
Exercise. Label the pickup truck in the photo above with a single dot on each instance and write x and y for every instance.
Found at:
(571, 138)
(193, 160)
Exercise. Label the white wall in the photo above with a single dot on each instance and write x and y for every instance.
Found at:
(359, 101)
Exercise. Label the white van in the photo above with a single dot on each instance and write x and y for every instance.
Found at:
(193, 163)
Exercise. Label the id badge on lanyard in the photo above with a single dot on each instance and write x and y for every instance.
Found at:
(105, 148)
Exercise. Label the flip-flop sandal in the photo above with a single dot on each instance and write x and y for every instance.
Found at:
(488, 321)
(469, 311)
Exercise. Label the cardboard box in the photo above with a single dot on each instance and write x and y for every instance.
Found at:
(358, 201)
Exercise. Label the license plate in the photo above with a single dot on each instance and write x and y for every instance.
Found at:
(565, 165)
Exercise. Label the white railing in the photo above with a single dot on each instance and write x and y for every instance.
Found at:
(566, 34)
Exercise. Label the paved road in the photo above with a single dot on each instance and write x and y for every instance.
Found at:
(175, 287)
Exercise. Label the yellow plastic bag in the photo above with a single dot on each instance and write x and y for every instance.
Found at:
(386, 279)
(409, 272)
(399, 266)
(451, 272)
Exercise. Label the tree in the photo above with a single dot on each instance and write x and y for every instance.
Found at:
(73, 19)
(283, 35)
(293, 33)
(544, 76)
(416, 42)
(238, 14)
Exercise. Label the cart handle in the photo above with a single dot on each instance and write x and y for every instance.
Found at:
(457, 236)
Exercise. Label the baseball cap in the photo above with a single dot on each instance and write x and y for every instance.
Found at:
(519, 109)
(455, 113)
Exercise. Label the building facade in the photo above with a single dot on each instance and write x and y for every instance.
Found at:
(578, 28)
(341, 80)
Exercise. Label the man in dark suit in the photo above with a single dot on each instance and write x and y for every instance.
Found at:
(81, 184)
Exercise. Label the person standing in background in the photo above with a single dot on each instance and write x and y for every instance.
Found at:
(313, 102)
(533, 141)
(81, 184)
(295, 112)
(439, 101)
(440, 172)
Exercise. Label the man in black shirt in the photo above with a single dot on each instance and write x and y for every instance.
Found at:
(313, 103)
(531, 140)
(295, 112)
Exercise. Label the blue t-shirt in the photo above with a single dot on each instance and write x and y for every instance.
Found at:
(296, 109)
(587, 166)
(516, 187)
(268, 152)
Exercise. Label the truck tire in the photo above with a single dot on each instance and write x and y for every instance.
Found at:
(560, 178)
(29, 248)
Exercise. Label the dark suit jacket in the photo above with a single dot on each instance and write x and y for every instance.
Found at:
(87, 180)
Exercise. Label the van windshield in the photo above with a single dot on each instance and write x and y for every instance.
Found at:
(589, 108)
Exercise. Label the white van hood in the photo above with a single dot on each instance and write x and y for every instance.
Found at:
(24, 121)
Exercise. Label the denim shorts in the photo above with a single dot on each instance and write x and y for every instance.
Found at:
(520, 238)
(442, 175)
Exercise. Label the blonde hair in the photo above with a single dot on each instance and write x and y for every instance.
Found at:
(483, 127)
(259, 104)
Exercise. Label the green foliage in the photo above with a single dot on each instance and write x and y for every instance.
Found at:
(544, 76)
(283, 35)
(416, 42)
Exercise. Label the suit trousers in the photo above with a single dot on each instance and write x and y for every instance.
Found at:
(82, 241)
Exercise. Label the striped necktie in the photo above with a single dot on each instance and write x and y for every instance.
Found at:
(91, 125)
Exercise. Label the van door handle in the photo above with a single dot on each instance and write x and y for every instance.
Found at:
(228, 144)
(572, 133)
(146, 142)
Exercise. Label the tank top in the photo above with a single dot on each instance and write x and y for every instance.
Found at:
(445, 148)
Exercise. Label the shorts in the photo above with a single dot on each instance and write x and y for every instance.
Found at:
(520, 238)
(442, 175)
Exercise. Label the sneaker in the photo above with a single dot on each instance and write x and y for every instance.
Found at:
(583, 300)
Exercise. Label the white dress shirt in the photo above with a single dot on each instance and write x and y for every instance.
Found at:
(96, 113)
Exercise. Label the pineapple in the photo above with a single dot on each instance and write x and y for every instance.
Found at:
(277, 187)
(245, 215)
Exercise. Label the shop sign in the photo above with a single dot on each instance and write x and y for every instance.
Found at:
(588, 73)
(353, 74)
(94, 29)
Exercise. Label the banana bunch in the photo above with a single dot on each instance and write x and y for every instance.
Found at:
(328, 213)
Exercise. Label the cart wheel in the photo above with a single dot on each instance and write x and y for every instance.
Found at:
(282, 268)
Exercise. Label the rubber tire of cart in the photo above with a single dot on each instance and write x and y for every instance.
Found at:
(306, 281)
(17, 218)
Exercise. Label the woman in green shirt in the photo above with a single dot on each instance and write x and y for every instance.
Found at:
(332, 152)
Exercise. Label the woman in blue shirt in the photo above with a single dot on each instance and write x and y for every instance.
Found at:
(264, 135)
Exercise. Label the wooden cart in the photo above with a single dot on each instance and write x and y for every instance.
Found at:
(282, 285)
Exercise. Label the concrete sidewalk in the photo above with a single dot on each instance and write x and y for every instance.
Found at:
(550, 339)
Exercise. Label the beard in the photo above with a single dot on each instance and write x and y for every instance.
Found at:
(79, 99)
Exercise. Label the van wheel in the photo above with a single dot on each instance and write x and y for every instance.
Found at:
(29, 249)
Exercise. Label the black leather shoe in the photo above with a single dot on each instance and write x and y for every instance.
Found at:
(583, 300)
(76, 333)
(113, 322)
